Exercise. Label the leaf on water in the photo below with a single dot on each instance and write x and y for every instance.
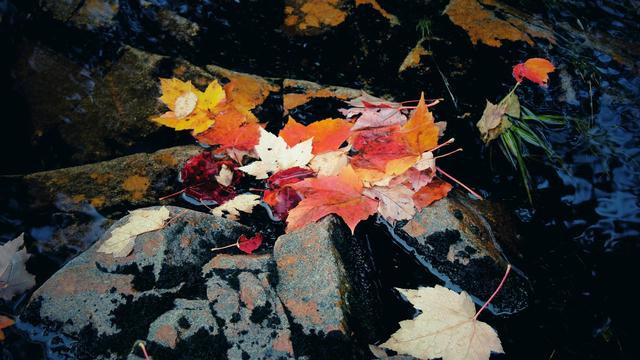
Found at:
(330, 163)
(5, 322)
(414, 56)
(122, 239)
(340, 195)
(190, 108)
(445, 329)
(276, 155)
(241, 203)
(327, 134)
(249, 244)
(14, 277)
(279, 196)
(200, 176)
(430, 193)
(396, 202)
(495, 118)
(534, 69)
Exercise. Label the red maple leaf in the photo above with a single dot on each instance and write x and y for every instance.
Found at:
(433, 191)
(280, 197)
(534, 69)
(327, 134)
(340, 195)
(249, 244)
(199, 178)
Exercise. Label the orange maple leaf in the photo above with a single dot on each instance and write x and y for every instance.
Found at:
(5, 322)
(534, 69)
(420, 133)
(433, 191)
(232, 130)
(327, 134)
(340, 195)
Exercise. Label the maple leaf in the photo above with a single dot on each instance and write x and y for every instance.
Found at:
(495, 118)
(373, 112)
(369, 101)
(327, 134)
(5, 322)
(279, 196)
(246, 244)
(445, 329)
(395, 203)
(276, 155)
(431, 192)
(14, 277)
(330, 163)
(232, 208)
(191, 109)
(340, 195)
(534, 69)
(200, 176)
(122, 239)
(232, 130)
(420, 132)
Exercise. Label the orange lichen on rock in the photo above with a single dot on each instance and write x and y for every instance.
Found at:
(393, 20)
(413, 57)
(98, 201)
(482, 24)
(137, 185)
(314, 16)
(312, 90)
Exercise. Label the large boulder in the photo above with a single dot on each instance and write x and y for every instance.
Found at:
(453, 238)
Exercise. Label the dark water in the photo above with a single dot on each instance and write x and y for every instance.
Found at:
(579, 240)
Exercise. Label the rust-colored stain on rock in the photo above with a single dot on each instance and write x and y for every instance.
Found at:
(98, 201)
(484, 25)
(313, 90)
(313, 16)
(307, 310)
(136, 185)
(166, 159)
(393, 20)
(167, 335)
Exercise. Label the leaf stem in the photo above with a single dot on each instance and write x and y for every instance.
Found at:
(144, 350)
(450, 141)
(172, 195)
(504, 279)
(225, 247)
(447, 154)
(460, 183)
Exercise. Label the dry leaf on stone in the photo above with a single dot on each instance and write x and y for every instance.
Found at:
(445, 329)
(141, 221)
(330, 163)
(232, 208)
(275, 155)
(396, 203)
(14, 277)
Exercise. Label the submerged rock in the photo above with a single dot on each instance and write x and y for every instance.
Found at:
(453, 238)
(187, 303)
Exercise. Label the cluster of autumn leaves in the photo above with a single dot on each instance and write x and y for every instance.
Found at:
(377, 159)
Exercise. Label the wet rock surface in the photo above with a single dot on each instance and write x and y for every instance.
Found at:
(186, 302)
(453, 238)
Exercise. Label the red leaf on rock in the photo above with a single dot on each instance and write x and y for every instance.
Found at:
(199, 178)
(249, 244)
(433, 191)
(280, 197)
(534, 69)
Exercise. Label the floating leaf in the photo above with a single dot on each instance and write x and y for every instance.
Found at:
(327, 134)
(445, 329)
(280, 197)
(14, 277)
(276, 155)
(534, 69)
(122, 239)
(232, 130)
(241, 203)
(200, 177)
(433, 191)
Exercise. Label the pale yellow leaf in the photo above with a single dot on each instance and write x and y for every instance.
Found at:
(446, 328)
(122, 238)
(185, 104)
(225, 176)
(231, 209)
(396, 203)
(330, 163)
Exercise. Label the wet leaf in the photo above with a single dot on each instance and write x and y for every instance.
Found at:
(249, 244)
(495, 118)
(232, 130)
(225, 176)
(340, 195)
(241, 203)
(5, 322)
(14, 277)
(200, 177)
(433, 191)
(534, 69)
(279, 196)
(395, 203)
(445, 329)
(276, 155)
(330, 163)
(420, 132)
(122, 239)
(327, 134)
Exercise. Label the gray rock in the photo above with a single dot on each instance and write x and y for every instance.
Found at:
(453, 238)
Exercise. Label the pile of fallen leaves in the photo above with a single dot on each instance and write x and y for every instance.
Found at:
(377, 159)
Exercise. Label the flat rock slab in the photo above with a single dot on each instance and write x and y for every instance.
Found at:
(455, 241)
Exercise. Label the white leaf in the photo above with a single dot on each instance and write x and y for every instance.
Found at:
(225, 176)
(426, 162)
(396, 203)
(232, 208)
(185, 104)
(330, 163)
(446, 328)
(140, 221)
(14, 277)
(275, 155)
